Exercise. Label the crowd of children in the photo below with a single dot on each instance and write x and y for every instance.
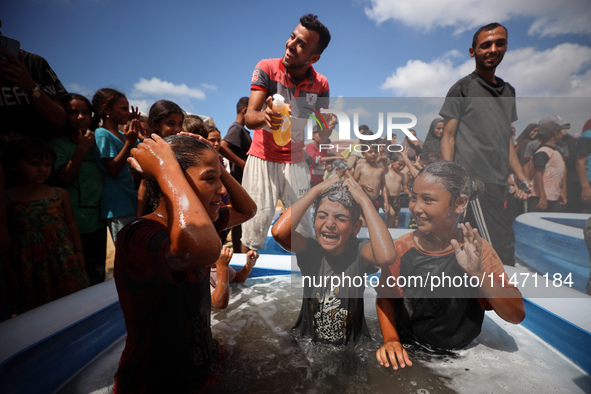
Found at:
(161, 188)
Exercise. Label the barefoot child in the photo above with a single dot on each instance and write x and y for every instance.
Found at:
(394, 188)
(451, 317)
(371, 175)
(333, 312)
(162, 266)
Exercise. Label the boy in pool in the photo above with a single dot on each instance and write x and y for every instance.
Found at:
(334, 264)
(371, 175)
(441, 317)
(394, 186)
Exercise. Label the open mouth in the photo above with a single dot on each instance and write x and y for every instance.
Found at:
(330, 237)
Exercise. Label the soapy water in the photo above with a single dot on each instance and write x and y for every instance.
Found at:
(263, 356)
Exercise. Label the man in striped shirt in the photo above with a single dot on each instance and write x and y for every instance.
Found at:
(274, 172)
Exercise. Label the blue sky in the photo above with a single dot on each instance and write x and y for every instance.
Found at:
(202, 54)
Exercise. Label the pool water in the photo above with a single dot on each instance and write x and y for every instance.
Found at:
(263, 356)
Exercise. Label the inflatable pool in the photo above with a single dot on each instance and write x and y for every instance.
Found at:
(553, 244)
(73, 344)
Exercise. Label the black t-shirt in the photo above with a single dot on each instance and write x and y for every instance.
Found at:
(332, 314)
(17, 114)
(484, 112)
(239, 139)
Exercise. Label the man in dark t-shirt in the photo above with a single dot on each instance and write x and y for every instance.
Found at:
(477, 113)
(29, 96)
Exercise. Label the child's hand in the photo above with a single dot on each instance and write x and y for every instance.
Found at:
(355, 189)
(251, 258)
(326, 184)
(134, 113)
(85, 140)
(225, 257)
(152, 156)
(469, 256)
(542, 204)
(563, 199)
(200, 138)
(395, 352)
(133, 130)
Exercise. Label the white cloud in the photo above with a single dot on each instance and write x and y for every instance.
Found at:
(209, 86)
(567, 16)
(562, 71)
(158, 87)
(421, 79)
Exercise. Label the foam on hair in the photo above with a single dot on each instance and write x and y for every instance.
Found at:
(342, 195)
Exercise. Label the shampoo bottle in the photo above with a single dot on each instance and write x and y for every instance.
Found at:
(282, 136)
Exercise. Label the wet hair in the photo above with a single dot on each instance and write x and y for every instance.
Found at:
(343, 196)
(75, 96)
(242, 103)
(194, 124)
(339, 164)
(455, 178)
(24, 148)
(162, 109)
(490, 26)
(188, 152)
(105, 97)
(395, 156)
(311, 22)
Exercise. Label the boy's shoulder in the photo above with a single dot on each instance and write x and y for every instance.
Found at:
(393, 173)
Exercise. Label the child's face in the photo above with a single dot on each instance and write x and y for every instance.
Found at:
(207, 184)
(429, 204)
(329, 167)
(119, 112)
(438, 130)
(215, 138)
(340, 172)
(533, 134)
(333, 227)
(171, 125)
(371, 155)
(398, 165)
(34, 169)
(79, 115)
